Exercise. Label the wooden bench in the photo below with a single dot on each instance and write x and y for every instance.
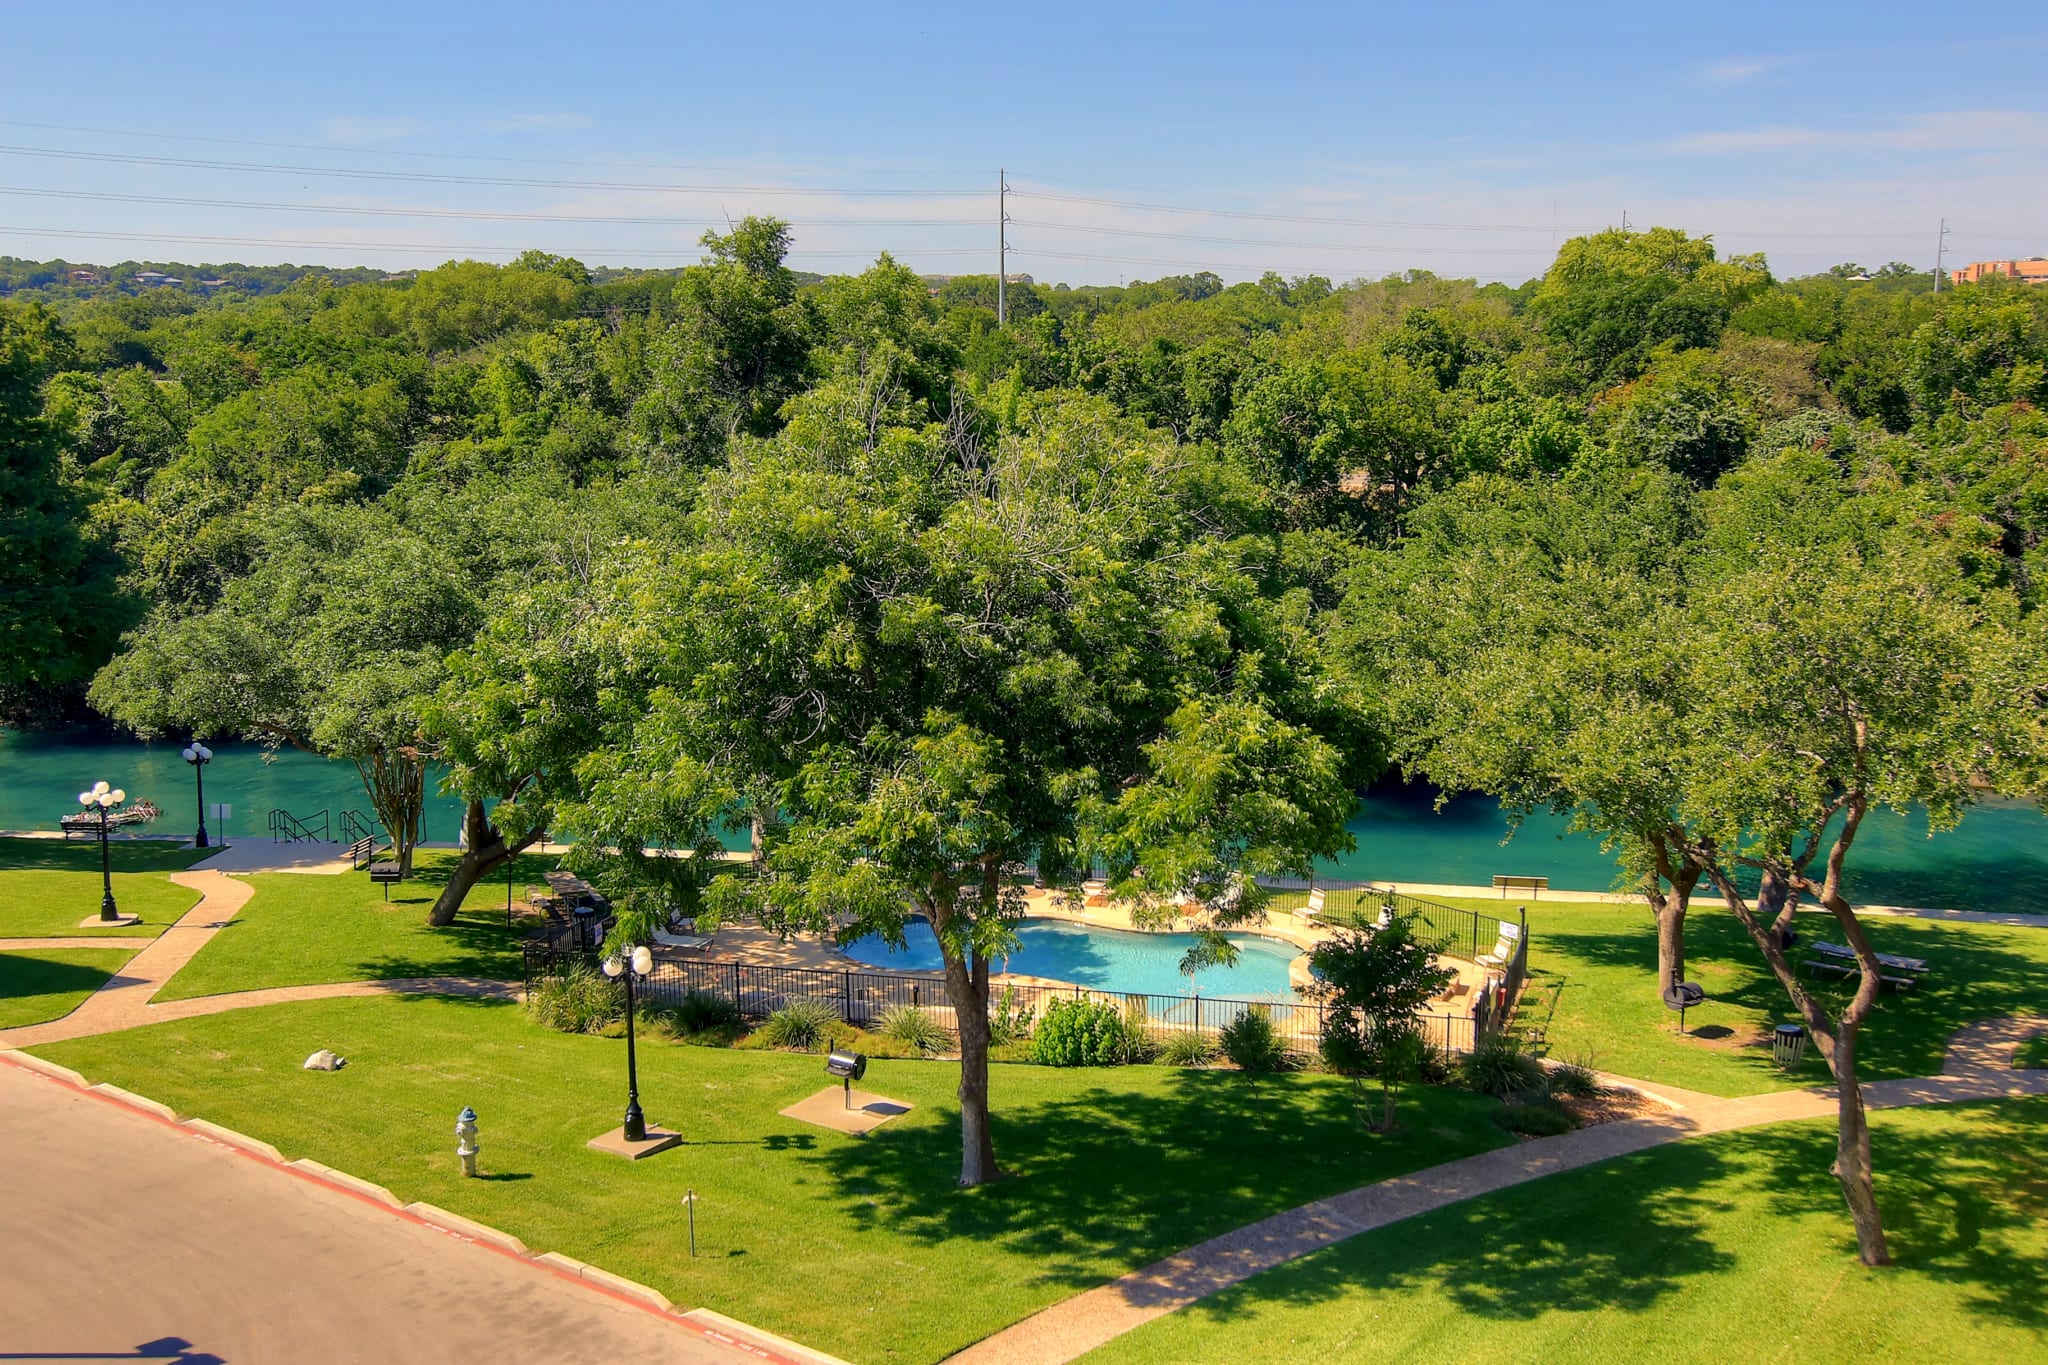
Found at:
(360, 853)
(1533, 885)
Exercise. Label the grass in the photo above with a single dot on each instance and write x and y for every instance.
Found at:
(126, 855)
(49, 903)
(1733, 1247)
(2032, 1054)
(862, 1247)
(302, 929)
(38, 985)
(1593, 989)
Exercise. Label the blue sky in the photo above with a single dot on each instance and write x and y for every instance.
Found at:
(1140, 140)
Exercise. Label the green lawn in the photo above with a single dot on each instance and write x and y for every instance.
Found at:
(38, 985)
(2032, 1054)
(861, 1247)
(1593, 990)
(49, 902)
(1734, 1247)
(303, 929)
(126, 855)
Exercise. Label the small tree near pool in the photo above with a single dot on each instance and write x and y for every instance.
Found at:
(1374, 982)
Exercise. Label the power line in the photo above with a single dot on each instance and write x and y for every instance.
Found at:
(194, 239)
(479, 215)
(352, 150)
(346, 173)
(1254, 241)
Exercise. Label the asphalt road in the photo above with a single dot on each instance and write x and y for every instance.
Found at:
(125, 1239)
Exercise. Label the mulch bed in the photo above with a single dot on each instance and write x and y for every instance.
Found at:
(1609, 1106)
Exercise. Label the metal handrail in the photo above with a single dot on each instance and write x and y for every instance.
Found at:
(286, 828)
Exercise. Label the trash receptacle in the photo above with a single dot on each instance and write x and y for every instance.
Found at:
(1789, 1045)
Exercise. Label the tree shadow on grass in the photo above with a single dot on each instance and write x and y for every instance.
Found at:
(1615, 1238)
(1963, 1201)
(1105, 1179)
(65, 855)
(25, 974)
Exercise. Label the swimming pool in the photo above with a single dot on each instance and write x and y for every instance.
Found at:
(1107, 959)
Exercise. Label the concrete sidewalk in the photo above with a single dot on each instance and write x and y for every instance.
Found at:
(125, 1232)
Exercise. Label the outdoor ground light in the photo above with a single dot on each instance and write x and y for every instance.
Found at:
(104, 798)
(198, 755)
(639, 963)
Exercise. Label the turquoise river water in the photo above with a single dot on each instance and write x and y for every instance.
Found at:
(1997, 859)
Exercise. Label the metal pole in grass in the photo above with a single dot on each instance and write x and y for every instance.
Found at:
(690, 1204)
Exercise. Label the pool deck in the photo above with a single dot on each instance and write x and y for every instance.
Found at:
(763, 947)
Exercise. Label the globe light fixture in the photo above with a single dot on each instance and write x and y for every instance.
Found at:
(638, 963)
(198, 755)
(104, 798)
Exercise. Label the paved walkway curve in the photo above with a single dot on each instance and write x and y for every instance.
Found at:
(124, 1002)
(1978, 1065)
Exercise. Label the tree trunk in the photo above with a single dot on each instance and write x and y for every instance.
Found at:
(967, 988)
(484, 850)
(1681, 875)
(1852, 1153)
(395, 780)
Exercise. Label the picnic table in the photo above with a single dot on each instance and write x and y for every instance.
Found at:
(1840, 959)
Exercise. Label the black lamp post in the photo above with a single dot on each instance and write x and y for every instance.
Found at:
(637, 963)
(198, 755)
(104, 799)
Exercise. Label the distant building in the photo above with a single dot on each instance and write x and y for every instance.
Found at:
(2033, 270)
(83, 277)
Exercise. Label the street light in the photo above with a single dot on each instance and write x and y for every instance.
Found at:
(639, 963)
(105, 798)
(198, 755)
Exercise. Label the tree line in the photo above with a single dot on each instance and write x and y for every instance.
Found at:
(1147, 584)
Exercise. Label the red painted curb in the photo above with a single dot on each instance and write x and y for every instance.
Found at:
(676, 1319)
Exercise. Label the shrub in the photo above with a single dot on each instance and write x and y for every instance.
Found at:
(1011, 1021)
(1081, 1033)
(1535, 1120)
(1253, 1044)
(1187, 1047)
(917, 1028)
(1496, 1065)
(800, 1024)
(580, 1000)
(698, 1012)
(1574, 1078)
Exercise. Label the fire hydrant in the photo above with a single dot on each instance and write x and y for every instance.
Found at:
(465, 1139)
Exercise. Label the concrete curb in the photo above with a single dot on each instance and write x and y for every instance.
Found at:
(346, 1181)
(465, 1227)
(28, 1061)
(135, 1101)
(752, 1339)
(632, 1289)
(234, 1139)
(555, 1260)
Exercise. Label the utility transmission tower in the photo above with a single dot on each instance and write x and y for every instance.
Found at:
(1940, 245)
(1002, 247)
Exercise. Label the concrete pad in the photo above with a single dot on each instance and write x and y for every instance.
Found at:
(657, 1140)
(232, 1138)
(829, 1109)
(750, 1338)
(135, 1101)
(121, 921)
(34, 1063)
(632, 1289)
(466, 1227)
(346, 1181)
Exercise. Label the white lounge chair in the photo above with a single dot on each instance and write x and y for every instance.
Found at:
(1313, 911)
(1503, 948)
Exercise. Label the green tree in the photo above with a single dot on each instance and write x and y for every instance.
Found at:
(60, 607)
(932, 665)
(1373, 983)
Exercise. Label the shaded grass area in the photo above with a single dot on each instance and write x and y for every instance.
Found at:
(126, 855)
(38, 985)
(1592, 988)
(1735, 1246)
(861, 1247)
(49, 902)
(304, 929)
(2032, 1054)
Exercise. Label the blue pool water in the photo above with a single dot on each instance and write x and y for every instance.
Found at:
(1108, 960)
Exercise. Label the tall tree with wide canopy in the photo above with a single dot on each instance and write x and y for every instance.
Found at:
(936, 657)
(1519, 638)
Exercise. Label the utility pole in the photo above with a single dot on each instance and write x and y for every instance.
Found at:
(1940, 245)
(1002, 246)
